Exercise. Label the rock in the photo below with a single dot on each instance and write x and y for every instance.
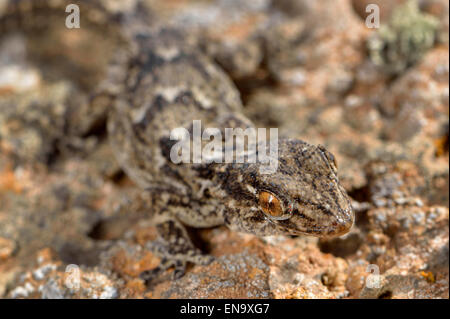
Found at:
(7, 248)
(403, 41)
(51, 281)
(385, 8)
(72, 225)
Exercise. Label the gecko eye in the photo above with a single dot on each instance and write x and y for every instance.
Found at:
(270, 204)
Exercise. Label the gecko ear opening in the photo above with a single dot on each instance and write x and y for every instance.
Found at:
(330, 157)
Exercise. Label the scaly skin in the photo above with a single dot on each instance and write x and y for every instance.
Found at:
(161, 81)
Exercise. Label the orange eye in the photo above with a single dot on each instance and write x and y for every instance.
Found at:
(270, 205)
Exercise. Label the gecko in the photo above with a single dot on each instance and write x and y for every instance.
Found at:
(161, 81)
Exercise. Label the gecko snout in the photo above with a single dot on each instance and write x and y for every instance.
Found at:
(341, 224)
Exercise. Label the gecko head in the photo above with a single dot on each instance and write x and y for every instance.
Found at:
(303, 196)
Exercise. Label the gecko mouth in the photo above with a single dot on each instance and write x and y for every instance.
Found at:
(338, 225)
(322, 231)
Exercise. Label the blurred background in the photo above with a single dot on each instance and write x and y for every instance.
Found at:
(376, 97)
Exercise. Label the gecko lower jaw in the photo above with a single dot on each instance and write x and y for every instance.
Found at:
(324, 231)
(339, 230)
(338, 227)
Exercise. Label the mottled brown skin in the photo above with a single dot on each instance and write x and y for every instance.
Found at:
(169, 84)
(305, 178)
(162, 81)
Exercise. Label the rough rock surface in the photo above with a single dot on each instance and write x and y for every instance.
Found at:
(72, 225)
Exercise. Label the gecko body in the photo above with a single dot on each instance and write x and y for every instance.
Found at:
(161, 82)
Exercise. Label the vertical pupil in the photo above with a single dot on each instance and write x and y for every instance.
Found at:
(270, 204)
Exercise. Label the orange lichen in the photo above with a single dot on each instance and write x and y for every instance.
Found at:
(428, 275)
(6, 91)
(441, 145)
(127, 266)
(241, 29)
(299, 293)
(145, 234)
(8, 180)
(7, 248)
(46, 255)
(255, 272)
(135, 288)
